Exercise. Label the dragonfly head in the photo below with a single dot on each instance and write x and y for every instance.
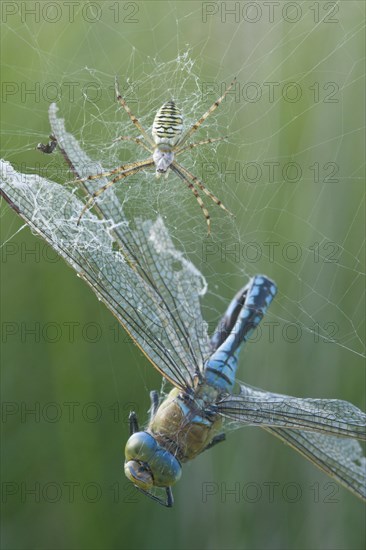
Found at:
(147, 464)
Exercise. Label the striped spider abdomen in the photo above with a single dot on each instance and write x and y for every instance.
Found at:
(168, 125)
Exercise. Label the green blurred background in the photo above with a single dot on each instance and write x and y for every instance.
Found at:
(80, 373)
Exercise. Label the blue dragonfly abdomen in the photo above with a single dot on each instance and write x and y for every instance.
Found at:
(242, 317)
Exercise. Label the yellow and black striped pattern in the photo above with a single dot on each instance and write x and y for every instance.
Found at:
(168, 124)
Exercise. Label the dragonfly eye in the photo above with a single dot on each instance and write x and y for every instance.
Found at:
(140, 474)
(141, 446)
(166, 468)
(148, 464)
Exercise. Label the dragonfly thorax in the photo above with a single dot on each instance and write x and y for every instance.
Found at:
(183, 426)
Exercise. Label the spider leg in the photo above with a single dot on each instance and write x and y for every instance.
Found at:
(135, 121)
(122, 168)
(177, 169)
(203, 142)
(135, 167)
(138, 141)
(213, 107)
(199, 184)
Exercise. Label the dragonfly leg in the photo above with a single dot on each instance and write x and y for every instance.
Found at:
(133, 422)
(168, 503)
(154, 399)
(217, 439)
(169, 497)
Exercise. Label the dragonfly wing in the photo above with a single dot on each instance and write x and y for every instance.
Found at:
(341, 458)
(180, 284)
(52, 210)
(329, 416)
(148, 247)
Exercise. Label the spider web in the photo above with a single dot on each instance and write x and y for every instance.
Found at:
(292, 173)
(291, 169)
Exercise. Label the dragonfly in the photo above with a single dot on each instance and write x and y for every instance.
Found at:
(191, 418)
(154, 292)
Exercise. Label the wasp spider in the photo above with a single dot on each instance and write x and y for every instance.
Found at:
(167, 143)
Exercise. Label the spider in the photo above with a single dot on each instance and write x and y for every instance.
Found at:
(167, 142)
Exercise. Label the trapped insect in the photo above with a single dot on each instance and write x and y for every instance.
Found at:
(49, 147)
(167, 142)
